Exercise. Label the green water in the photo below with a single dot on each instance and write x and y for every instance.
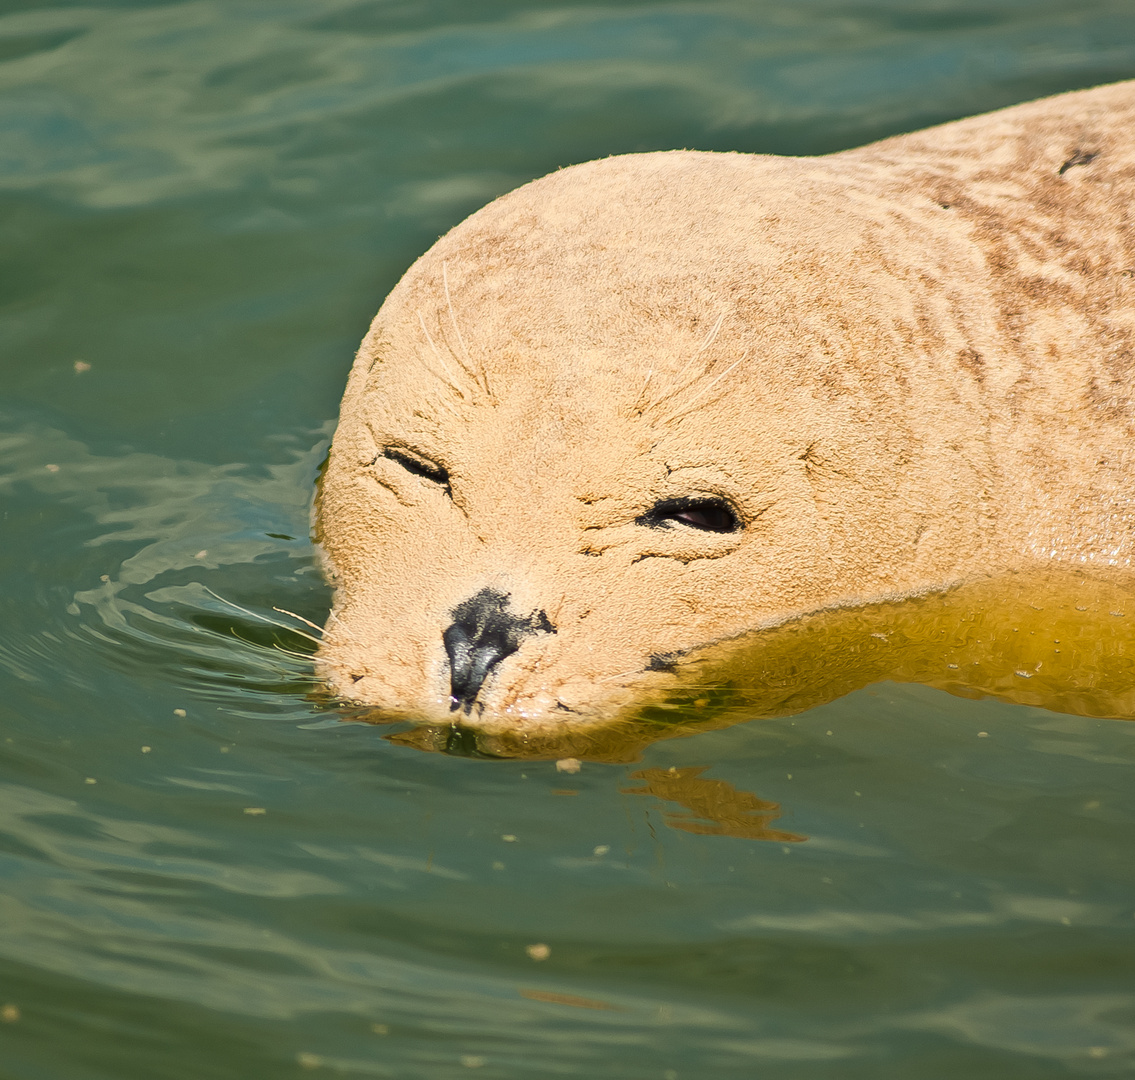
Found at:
(205, 202)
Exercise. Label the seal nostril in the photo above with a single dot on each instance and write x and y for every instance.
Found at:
(473, 652)
(482, 634)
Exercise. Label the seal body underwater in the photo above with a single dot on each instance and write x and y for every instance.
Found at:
(655, 402)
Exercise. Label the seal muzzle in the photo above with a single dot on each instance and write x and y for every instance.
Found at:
(482, 634)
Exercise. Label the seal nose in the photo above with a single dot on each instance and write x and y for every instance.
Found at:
(482, 634)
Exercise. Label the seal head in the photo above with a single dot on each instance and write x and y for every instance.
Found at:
(637, 409)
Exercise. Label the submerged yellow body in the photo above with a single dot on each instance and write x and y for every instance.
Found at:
(899, 368)
(1061, 640)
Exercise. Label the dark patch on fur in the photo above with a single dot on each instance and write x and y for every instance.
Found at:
(1080, 157)
(973, 362)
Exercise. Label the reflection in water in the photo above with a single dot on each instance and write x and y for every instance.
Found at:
(714, 807)
(1064, 641)
(566, 999)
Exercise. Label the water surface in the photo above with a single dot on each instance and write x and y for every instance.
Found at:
(204, 872)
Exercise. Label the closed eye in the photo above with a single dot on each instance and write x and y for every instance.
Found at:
(419, 465)
(706, 513)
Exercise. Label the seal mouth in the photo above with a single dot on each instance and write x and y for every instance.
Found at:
(482, 634)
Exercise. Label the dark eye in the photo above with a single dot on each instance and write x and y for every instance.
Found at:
(707, 513)
(419, 465)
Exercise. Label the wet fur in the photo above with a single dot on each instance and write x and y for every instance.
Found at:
(904, 365)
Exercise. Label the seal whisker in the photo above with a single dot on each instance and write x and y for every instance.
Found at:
(621, 675)
(305, 657)
(687, 376)
(449, 379)
(262, 618)
(695, 402)
(642, 390)
(307, 622)
(469, 367)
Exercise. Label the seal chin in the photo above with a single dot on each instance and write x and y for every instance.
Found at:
(576, 701)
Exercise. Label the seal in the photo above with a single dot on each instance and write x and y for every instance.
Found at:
(648, 405)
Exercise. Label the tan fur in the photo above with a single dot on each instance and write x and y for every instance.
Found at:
(905, 365)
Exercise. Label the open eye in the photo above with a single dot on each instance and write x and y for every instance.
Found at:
(705, 512)
(419, 465)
